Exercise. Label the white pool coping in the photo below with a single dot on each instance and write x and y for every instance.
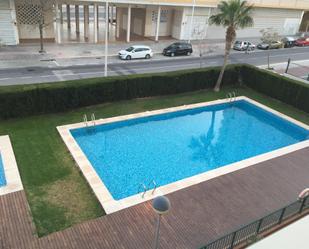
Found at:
(13, 180)
(111, 205)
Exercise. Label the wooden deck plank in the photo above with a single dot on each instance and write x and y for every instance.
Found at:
(199, 214)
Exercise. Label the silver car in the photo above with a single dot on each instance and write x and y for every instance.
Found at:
(243, 45)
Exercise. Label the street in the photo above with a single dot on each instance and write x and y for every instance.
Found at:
(53, 72)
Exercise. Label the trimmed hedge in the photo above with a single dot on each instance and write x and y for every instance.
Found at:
(25, 100)
(289, 91)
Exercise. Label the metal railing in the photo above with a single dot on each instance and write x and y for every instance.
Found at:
(250, 231)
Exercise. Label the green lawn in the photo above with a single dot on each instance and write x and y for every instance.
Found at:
(58, 194)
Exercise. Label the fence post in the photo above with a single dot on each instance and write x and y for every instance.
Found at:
(281, 215)
(288, 65)
(303, 201)
(259, 226)
(233, 240)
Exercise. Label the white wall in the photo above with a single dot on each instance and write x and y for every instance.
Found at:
(284, 21)
(177, 23)
(199, 23)
(138, 21)
(165, 21)
(8, 29)
(28, 31)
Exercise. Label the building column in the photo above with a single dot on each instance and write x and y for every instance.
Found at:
(112, 15)
(129, 24)
(117, 22)
(86, 22)
(13, 16)
(61, 13)
(98, 11)
(58, 24)
(77, 19)
(68, 16)
(158, 23)
(95, 23)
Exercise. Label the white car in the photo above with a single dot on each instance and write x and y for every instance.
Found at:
(135, 52)
(243, 45)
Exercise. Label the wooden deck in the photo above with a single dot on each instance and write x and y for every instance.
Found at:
(199, 213)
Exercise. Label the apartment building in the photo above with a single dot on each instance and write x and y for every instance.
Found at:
(83, 20)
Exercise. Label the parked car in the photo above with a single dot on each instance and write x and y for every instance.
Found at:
(243, 45)
(271, 45)
(288, 41)
(302, 42)
(178, 48)
(136, 52)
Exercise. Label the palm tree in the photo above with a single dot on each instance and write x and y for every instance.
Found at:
(233, 14)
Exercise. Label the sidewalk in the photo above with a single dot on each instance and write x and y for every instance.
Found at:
(297, 69)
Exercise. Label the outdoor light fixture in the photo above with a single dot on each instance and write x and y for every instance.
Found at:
(161, 205)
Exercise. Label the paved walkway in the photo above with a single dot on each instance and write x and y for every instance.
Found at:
(298, 70)
(199, 214)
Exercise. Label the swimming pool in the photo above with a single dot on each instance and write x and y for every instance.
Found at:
(2, 176)
(173, 146)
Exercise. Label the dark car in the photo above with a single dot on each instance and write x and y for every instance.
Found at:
(178, 48)
(288, 42)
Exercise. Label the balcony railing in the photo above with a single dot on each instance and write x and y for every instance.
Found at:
(250, 231)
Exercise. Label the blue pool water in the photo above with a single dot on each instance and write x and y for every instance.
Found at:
(2, 176)
(170, 147)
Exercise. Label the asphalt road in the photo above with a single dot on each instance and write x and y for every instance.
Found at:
(58, 73)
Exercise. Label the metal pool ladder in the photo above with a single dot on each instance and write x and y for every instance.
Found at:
(154, 185)
(85, 119)
(231, 96)
(93, 119)
(143, 187)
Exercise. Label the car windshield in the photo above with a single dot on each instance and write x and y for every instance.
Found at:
(129, 49)
(237, 42)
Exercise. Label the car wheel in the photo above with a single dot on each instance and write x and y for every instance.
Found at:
(172, 54)
(128, 57)
(147, 56)
(188, 53)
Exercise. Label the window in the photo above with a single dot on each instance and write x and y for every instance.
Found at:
(129, 49)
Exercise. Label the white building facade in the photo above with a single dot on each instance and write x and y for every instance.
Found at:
(83, 20)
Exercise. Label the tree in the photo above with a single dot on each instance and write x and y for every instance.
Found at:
(39, 9)
(269, 35)
(232, 14)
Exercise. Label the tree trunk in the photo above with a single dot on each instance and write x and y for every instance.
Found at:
(41, 39)
(230, 36)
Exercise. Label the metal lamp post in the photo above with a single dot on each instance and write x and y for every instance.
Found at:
(106, 37)
(161, 205)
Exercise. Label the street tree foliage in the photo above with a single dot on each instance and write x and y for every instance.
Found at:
(269, 35)
(232, 14)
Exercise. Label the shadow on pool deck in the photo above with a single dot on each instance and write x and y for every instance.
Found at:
(199, 213)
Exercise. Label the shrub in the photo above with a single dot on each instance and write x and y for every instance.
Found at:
(287, 90)
(24, 100)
